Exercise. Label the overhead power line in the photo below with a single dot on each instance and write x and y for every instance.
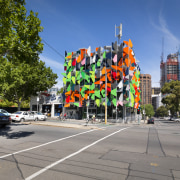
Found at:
(53, 48)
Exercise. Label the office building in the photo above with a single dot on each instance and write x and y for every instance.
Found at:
(145, 87)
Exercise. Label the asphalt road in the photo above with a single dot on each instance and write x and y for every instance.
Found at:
(124, 152)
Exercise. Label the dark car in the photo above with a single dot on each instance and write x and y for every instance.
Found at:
(4, 120)
(151, 121)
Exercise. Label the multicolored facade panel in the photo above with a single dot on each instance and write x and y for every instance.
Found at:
(109, 74)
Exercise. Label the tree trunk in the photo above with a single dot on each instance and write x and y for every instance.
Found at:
(19, 106)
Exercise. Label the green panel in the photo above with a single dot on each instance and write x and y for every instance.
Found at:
(132, 90)
(132, 99)
(64, 74)
(70, 62)
(83, 74)
(69, 75)
(69, 53)
(68, 80)
(93, 66)
(114, 101)
(78, 81)
(76, 104)
(87, 86)
(81, 69)
(73, 79)
(81, 79)
(103, 92)
(104, 55)
(114, 92)
(64, 80)
(69, 88)
(99, 63)
(77, 75)
(92, 87)
(87, 78)
(65, 64)
(98, 102)
(93, 97)
(97, 93)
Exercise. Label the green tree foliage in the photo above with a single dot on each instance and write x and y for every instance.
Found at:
(149, 110)
(22, 74)
(162, 111)
(172, 98)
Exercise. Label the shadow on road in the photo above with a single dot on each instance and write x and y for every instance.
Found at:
(6, 132)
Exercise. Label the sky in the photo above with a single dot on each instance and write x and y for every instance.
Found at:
(73, 24)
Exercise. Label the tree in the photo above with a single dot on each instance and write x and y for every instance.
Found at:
(22, 74)
(162, 111)
(171, 91)
(149, 110)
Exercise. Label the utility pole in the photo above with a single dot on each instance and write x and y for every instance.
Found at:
(119, 35)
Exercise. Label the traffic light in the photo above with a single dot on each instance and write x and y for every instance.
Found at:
(138, 111)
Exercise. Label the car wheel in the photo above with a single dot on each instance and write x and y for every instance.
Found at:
(36, 119)
(22, 120)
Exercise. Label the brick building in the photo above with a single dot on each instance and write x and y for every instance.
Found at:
(145, 87)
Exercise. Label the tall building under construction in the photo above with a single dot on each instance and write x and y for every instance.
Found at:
(170, 70)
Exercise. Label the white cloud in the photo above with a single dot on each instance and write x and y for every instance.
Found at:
(173, 41)
(52, 63)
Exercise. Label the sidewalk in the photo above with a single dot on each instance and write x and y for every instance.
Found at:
(81, 124)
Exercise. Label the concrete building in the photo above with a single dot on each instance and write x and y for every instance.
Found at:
(156, 97)
(145, 87)
(50, 102)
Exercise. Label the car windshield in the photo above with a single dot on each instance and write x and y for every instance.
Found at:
(18, 112)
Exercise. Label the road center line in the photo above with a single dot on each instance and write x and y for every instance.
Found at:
(28, 149)
(71, 155)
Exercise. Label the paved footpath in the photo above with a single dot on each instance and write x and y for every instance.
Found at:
(81, 124)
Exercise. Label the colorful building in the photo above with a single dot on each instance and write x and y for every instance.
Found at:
(109, 76)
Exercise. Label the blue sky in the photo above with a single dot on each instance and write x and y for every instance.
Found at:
(73, 24)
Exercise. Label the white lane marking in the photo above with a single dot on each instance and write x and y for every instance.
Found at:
(1, 157)
(71, 155)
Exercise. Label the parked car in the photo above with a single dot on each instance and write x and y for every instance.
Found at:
(5, 112)
(151, 121)
(176, 119)
(39, 116)
(4, 120)
(21, 116)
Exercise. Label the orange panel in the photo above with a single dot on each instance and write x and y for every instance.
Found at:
(130, 43)
(97, 49)
(115, 67)
(131, 68)
(69, 57)
(126, 42)
(126, 50)
(109, 76)
(102, 87)
(103, 78)
(97, 82)
(108, 70)
(68, 93)
(86, 96)
(91, 92)
(120, 62)
(103, 70)
(79, 59)
(67, 105)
